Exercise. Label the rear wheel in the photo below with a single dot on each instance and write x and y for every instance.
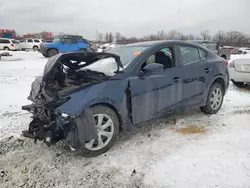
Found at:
(35, 48)
(107, 124)
(239, 84)
(214, 99)
(52, 52)
(6, 48)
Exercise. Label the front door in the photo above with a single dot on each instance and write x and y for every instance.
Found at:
(65, 45)
(153, 95)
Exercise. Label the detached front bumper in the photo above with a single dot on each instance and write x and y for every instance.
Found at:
(52, 126)
(42, 129)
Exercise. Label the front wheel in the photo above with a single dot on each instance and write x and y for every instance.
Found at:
(214, 99)
(239, 84)
(52, 52)
(107, 124)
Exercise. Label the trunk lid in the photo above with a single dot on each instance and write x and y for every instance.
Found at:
(242, 65)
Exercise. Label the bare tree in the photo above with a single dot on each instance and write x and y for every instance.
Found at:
(106, 38)
(161, 35)
(205, 35)
(100, 37)
(111, 37)
(219, 37)
(117, 37)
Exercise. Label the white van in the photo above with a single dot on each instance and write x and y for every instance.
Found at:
(9, 44)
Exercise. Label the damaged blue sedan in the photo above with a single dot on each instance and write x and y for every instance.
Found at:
(88, 98)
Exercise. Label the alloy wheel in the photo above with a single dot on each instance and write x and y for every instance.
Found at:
(216, 98)
(105, 132)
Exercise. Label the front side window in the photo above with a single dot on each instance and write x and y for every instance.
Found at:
(29, 40)
(66, 41)
(163, 56)
(189, 54)
(37, 41)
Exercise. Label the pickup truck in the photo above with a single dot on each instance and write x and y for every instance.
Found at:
(64, 43)
(214, 47)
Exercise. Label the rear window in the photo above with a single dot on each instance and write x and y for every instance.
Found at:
(127, 53)
(15, 41)
(5, 41)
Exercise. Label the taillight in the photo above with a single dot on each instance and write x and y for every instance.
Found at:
(231, 64)
(12, 45)
(226, 62)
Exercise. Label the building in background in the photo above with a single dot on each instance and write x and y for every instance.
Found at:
(8, 33)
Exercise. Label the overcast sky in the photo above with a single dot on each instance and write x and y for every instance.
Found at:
(130, 17)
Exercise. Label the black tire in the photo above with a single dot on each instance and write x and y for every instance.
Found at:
(52, 52)
(208, 107)
(239, 84)
(45, 55)
(35, 48)
(6, 48)
(100, 109)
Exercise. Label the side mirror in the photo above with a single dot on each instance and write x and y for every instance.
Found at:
(152, 68)
(62, 41)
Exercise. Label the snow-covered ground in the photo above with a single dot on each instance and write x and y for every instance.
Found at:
(158, 155)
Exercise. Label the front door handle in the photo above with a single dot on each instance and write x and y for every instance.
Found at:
(176, 79)
(207, 70)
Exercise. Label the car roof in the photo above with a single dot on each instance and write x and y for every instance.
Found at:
(202, 41)
(161, 42)
(6, 39)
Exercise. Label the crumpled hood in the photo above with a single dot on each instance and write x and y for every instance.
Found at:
(88, 57)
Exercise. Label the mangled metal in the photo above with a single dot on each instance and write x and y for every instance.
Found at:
(64, 74)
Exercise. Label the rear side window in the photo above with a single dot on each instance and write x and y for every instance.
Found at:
(189, 54)
(67, 41)
(15, 41)
(37, 41)
(74, 41)
(203, 54)
(4, 41)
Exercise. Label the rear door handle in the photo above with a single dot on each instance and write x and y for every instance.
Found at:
(207, 70)
(176, 79)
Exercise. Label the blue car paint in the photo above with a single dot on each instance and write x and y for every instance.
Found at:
(62, 48)
(152, 95)
(111, 92)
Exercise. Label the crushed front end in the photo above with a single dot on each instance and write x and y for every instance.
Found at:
(53, 89)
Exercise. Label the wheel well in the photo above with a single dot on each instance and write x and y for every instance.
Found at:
(51, 49)
(35, 46)
(114, 109)
(6, 47)
(224, 56)
(221, 82)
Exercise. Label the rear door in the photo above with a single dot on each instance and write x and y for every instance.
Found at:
(196, 74)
